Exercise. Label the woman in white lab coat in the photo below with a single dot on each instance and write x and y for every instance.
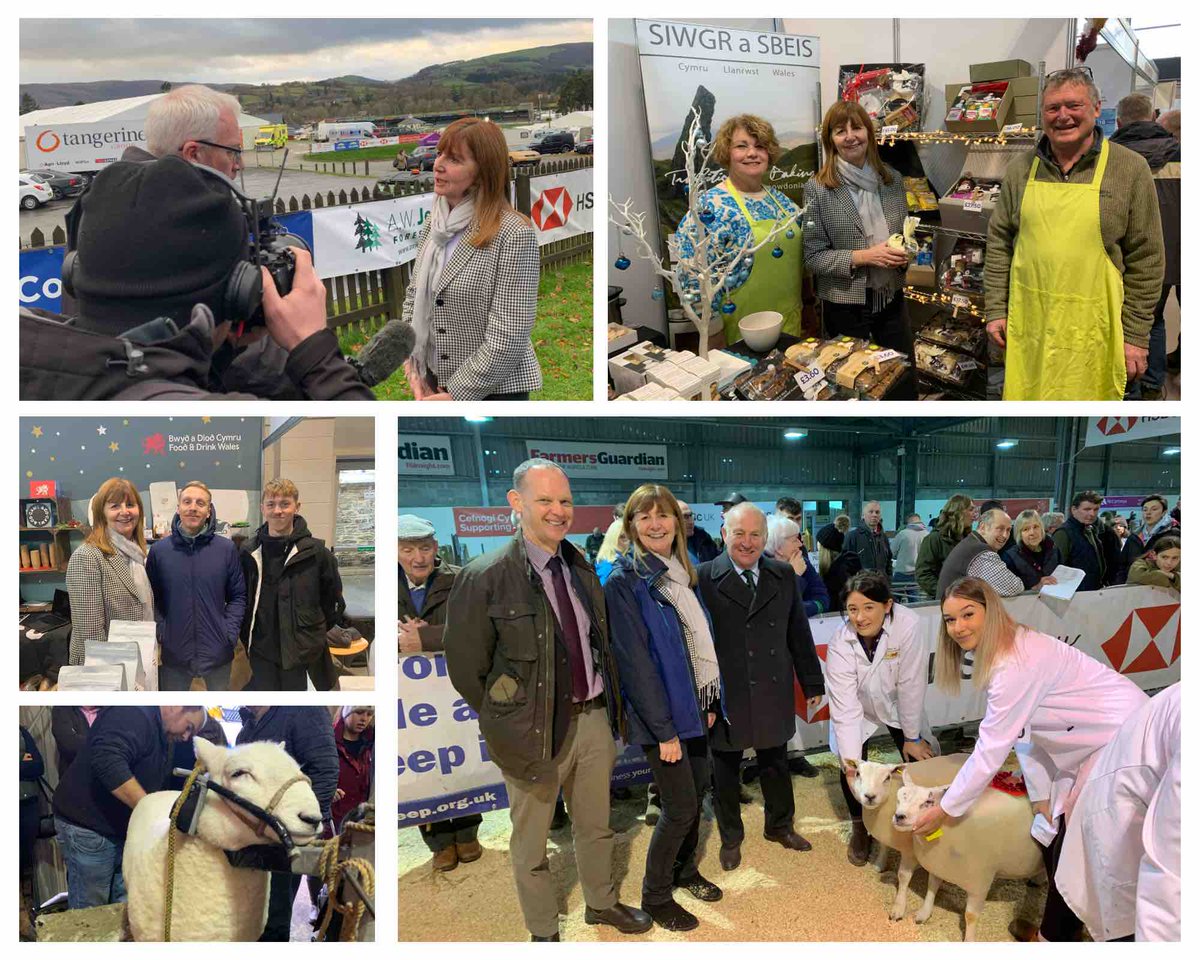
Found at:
(875, 677)
(1055, 705)
(1119, 868)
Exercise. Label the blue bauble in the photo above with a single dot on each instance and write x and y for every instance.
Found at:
(729, 308)
(750, 260)
(622, 263)
(791, 234)
(656, 294)
(708, 215)
(686, 189)
(777, 252)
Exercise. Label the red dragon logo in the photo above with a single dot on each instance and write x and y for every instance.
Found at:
(155, 443)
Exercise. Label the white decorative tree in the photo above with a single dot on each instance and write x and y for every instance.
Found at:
(708, 264)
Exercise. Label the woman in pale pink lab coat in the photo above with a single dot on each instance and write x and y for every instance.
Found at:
(1119, 868)
(1055, 705)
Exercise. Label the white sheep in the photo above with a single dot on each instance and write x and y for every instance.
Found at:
(990, 840)
(874, 785)
(213, 900)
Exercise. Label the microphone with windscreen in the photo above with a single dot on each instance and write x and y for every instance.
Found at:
(385, 352)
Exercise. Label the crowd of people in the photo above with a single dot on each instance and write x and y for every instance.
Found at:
(1076, 319)
(691, 649)
(109, 759)
(278, 595)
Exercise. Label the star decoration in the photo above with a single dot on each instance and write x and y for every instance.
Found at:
(52, 459)
(206, 419)
(37, 431)
(114, 446)
(102, 430)
(182, 464)
(29, 474)
(124, 423)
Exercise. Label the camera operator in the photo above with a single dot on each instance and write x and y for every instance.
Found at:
(157, 244)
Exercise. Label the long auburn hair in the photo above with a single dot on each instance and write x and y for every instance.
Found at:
(836, 116)
(114, 490)
(484, 142)
(998, 641)
(655, 495)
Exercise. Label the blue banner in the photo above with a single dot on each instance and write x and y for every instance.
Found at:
(41, 273)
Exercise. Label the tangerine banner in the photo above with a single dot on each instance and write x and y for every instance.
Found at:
(81, 146)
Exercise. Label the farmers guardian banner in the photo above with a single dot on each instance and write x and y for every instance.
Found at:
(444, 768)
(725, 72)
(609, 460)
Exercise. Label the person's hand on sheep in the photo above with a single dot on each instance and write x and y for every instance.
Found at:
(929, 821)
(916, 751)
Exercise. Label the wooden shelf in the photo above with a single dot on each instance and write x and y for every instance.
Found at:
(54, 530)
(43, 570)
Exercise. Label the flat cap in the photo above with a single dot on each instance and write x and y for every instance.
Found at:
(411, 527)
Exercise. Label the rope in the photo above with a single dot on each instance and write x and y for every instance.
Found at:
(171, 834)
(331, 870)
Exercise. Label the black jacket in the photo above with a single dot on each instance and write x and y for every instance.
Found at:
(309, 599)
(437, 592)
(873, 549)
(124, 742)
(1030, 566)
(1163, 153)
(1081, 547)
(702, 545)
(505, 655)
(59, 361)
(69, 727)
(762, 641)
(307, 736)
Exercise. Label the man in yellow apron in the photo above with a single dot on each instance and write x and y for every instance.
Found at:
(1074, 326)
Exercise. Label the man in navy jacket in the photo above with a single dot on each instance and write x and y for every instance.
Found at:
(199, 595)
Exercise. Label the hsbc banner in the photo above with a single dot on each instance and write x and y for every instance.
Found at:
(1102, 430)
(384, 233)
(444, 767)
(604, 460)
(81, 147)
(561, 205)
(421, 454)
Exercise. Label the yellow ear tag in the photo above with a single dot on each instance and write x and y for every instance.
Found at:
(933, 836)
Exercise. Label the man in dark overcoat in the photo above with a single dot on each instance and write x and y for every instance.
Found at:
(762, 641)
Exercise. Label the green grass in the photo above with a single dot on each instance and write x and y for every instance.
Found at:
(562, 338)
(366, 153)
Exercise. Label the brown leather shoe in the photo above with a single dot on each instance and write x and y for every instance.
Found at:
(730, 857)
(626, 919)
(790, 839)
(468, 852)
(860, 843)
(445, 860)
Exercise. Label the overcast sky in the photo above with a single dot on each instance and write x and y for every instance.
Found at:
(269, 51)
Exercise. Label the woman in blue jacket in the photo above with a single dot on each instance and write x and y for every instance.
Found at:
(784, 543)
(662, 639)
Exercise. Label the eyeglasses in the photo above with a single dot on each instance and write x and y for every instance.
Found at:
(1080, 72)
(236, 151)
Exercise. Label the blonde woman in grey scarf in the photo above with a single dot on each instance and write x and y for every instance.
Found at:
(853, 205)
(472, 298)
(671, 684)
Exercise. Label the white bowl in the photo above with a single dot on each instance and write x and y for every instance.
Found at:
(761, 330)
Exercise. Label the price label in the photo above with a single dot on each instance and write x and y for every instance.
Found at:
(960, 300)
(1012, 128)
(882, 355)
(890, 130)
(973, 206)
(967, 365)
(810, 381)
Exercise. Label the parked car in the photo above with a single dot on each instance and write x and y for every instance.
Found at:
(524, 157)
(558, 141)
(34, 193)
(584, 146)
(400, 178)
(421, 158)
(61, 184)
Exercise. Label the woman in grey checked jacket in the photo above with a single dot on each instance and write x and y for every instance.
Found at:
(473, 294)
(106, 576)
(852, 205)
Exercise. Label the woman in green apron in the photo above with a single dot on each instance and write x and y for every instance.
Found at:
(742, 207)
(853, 204)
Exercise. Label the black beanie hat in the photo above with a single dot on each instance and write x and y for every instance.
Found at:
(155, 237)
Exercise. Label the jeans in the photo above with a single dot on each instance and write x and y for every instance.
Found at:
(172, 678)
(1156, 364)
(671, 858)
(93, 866)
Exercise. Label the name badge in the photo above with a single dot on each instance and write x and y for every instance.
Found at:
(891, 655)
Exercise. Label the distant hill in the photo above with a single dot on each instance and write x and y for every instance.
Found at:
(502, 79)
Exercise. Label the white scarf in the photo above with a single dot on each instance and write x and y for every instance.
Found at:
(137, 571)
(696, 633)
(864, 185)
(445, 225)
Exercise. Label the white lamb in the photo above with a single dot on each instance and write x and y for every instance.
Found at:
(874, 785)
(213, 900)
(990, 840)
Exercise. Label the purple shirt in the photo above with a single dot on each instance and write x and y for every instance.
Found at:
(541, 563)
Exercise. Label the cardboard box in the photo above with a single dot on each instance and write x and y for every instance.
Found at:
(1024, 86)
(993, 123)
(1025, 106)
(921, 275)
(1000, 70)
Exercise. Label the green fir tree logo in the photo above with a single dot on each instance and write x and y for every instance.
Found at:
(367, 233)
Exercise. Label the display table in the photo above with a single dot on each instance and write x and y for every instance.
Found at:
(904, 389)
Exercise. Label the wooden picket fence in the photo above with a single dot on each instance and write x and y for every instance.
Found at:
(368, 300)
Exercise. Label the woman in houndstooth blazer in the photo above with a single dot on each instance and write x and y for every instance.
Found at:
(472, 298)
(852, 205)
(106, 576)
